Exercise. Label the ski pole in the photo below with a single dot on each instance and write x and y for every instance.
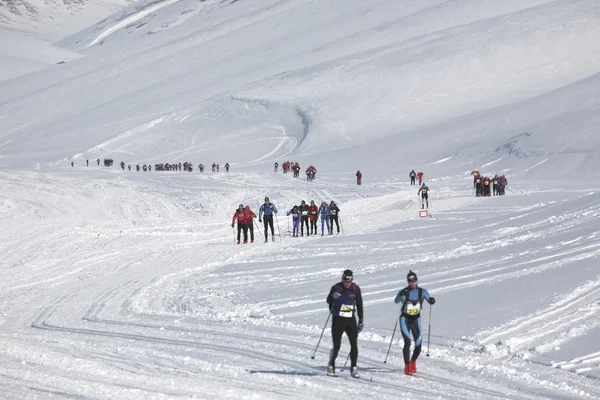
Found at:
(323, 331)
(277, 220)
(393, 333)
(347, 358)
(341, 225)
(233, 230)
(429, 332)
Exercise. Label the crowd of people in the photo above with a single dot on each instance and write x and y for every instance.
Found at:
(485, 187)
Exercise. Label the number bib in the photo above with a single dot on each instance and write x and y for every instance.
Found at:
(333, 212)
(413, 309)
(304, 212)
(346, 311)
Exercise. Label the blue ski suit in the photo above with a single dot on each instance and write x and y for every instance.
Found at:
(410, 318)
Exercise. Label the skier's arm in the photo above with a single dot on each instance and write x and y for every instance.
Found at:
(274, 208)
(330, 299)
(289, 212)
(400, 297)
(428, 297)
(359, 306)
(260, 211)
(419, 192)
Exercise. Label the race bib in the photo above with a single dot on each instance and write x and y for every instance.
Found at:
(346, 311)
(313, 212)
(413, 309)
(304, 212)
(333, 212)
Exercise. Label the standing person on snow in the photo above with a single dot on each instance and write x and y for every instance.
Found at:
(324, 212)
(314, 217)
(333, 216)
(295, 211)
(358, 177)
(268, 209)
(345, 300)
(249, 216)
(411, 300)
(412, 176)
(240, 216)
(276, 166)
(423, 191)
(420, 176)
(226, 167)
(304, 210)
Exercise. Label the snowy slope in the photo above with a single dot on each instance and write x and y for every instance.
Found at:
(128, 285)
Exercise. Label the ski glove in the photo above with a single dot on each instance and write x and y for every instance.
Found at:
(232, 225)
(432, 300)
(260, 220)
(336, 295)
(360, 326)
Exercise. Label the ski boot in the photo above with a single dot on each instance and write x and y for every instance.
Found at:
(413, 366)
(354, 372)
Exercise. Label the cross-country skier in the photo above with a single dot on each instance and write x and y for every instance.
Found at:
(345, 301)
(412, 176)
(334, 211)
(324, 213)
(420, 176)
(240, 216)
(314, 217)
(226, 167)
(276, 166)
(304, 211)
(358, 177)
(268, 209)
(295, 211)
(250, 215)
(411, 298)
(423, 192)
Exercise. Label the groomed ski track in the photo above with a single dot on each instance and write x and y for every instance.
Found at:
(151, 298)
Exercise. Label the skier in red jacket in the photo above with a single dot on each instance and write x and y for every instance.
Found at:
(249, 216)
(240, 216)
(358, 177)
(420, 176)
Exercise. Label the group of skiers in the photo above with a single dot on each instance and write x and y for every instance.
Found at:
(484, 186)
(413, 175)
(345, 304)
(288, 166)
(302, 215)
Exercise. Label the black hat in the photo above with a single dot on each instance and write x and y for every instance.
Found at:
(266, 199)
(411, 277)
(347, 275)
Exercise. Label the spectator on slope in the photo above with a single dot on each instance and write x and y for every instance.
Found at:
(423, 191)
(345, 301)
(304, 211)
(420, 176)
(268, 209)
(324, 211)
(413, 176)
(411, 300)
(358, 177)
(295, 211)
(314, 217)
(249, 215)
(334, 215)
(240, 216)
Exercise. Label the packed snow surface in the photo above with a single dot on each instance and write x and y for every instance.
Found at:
(124, 284)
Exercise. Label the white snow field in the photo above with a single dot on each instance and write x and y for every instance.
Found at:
(128, 285)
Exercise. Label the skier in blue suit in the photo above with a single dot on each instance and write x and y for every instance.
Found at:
(267, 209)
(411, 298)
(324, 213)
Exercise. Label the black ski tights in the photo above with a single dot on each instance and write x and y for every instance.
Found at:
(338, 327)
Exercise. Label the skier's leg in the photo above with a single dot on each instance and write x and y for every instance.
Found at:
(271, 225)
(266, 223)
(337, 329)
(239, 226)
(251, 227)
(415, 328)
(406, 337)
(352, 332)
(245, 228)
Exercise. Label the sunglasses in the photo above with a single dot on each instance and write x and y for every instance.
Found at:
(412, 280)
(348, 279)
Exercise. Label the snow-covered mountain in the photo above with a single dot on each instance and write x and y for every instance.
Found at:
(128, 284)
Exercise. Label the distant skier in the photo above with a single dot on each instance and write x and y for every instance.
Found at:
(268, 209)
(304, 211)
(295, 211)
(240, 217)
(72, 164)
(324, 211)
(214, 166)
(218, 167)
(129, 167)
(334, 210)
(226, 167)
(314, 217)
(250, 215)
(87, 163)
(123, 165)
(423, 191)
(413, 176)
(137, 167)
(358, 177)
(411, 298)
(345, 301)
(98, 161)
(276, 166)
(420, 176)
